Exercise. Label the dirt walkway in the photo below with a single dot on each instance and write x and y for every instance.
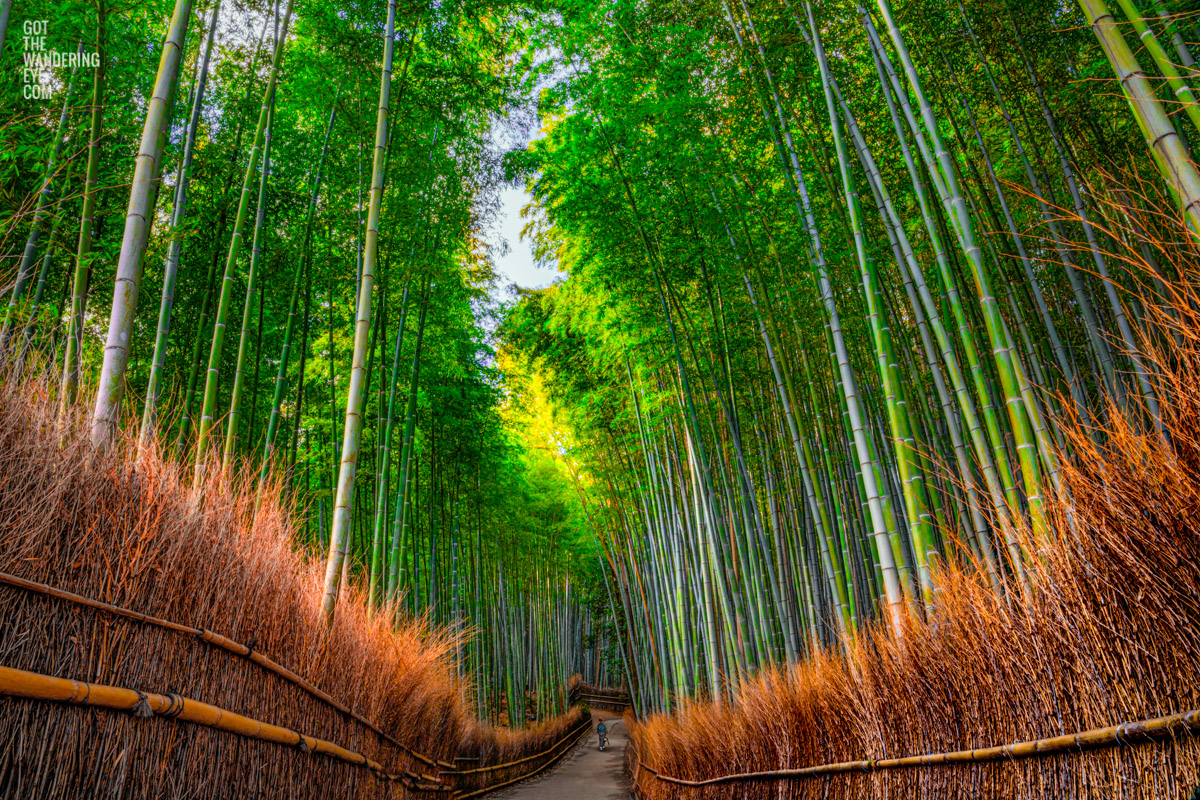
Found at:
(585, 774)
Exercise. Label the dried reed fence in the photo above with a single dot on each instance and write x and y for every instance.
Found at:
(1125, 734)
(109, 530)
(478, 781)
(1111, 636)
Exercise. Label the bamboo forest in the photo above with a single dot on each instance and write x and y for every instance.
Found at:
(657, 398)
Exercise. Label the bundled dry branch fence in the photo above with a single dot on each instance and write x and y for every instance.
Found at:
(1123, 735)
(478, 781)
(171, 706)
(117, 542)
(224, 643)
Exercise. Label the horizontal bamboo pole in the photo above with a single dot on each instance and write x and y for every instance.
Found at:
(1127, 733)
(597, 691)
(584, 723)
(496, 787)
(224, 643)
(35, 686)
(616, 701)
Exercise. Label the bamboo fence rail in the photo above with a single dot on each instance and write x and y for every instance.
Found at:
(1127, 733)
(35, 686)
(623, 702)
(224, 643)
(577, 734)
(596, 701)
(493, 767)
(584, 690)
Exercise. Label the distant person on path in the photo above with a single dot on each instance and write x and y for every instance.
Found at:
(602, 733)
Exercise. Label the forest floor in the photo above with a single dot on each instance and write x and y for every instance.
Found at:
(586, 773)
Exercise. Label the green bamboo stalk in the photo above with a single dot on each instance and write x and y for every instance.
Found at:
(941, 169)
(235, 397)
(1060, 354)
(912, 480)
(301, 268)
(1166, 66)
(254, 382)
(1149, 397)
(32, 322)
(298, 419)
(189, 394)
(143, 192)
(350, 439)
(1171, 26)
(158, 363)
(87, 217)
(847, 380)
(827, 545)
(1169, 151)
(401, 518)
(1044, 199)
(799, 440)
(374, 595)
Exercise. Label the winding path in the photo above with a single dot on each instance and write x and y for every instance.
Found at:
(586, 773)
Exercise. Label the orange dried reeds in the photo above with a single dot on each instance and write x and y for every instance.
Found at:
(128, 531)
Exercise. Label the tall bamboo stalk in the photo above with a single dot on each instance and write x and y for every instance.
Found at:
(401, 517)
(845, 372)
(344, 499)
(302, 266)
(1183, 93)
(143, 191)
(87, 218)
(256, 247)
(158, 363)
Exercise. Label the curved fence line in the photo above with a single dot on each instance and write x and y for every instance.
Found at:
(36, 686)
(585, 722)
(578, 734)
(31, 685)
(223, 643)
(1127, 733)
